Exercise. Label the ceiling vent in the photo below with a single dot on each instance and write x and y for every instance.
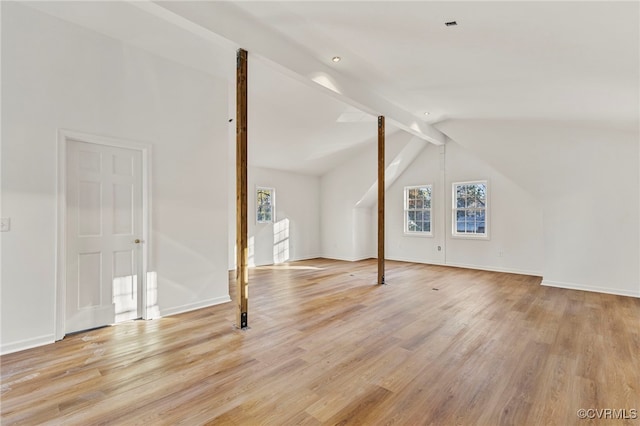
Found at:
(451, 23)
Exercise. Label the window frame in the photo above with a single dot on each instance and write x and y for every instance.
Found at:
(407, 210)
(454, 211)
(273, 204)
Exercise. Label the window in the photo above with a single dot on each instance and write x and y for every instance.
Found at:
(417, 210)
(265, 204)
(470, 209)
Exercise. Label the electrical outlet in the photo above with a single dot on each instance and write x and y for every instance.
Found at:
(5, 224)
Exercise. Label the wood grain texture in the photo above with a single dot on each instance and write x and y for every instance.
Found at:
(242, 209)
(381, 198)
(438, 346)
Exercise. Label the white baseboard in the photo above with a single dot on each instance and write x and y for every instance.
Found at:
(415, 260)
(595, 289)
(496, 269)
(297, 259)
(193, 306)
(468, 266)
(309, 257)
(346, 259)
(7, 348)
(21, 345)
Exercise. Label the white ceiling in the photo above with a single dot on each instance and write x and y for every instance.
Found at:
(544, 60)
(294, 126)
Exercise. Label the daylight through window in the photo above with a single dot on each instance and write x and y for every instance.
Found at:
(470, 209)
(417, 210)
(265, 205)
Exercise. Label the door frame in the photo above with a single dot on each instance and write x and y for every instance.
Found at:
(64, 136)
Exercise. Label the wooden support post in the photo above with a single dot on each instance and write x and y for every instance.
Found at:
(242, 237)
(381, 191)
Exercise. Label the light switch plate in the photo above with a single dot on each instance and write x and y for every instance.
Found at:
(5, 224)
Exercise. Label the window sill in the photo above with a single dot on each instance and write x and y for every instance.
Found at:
(419, 234)
(470, 237)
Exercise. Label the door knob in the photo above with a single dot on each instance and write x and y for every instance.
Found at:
(137, 241)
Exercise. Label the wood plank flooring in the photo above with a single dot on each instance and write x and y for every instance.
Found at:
(436, 346)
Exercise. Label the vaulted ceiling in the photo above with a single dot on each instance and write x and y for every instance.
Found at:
(539, 61)
(542, 60)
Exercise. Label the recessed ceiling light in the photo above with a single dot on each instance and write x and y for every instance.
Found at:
(451, 23)
(426, 113)
(336, 59)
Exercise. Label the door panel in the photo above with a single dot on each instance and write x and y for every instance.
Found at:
(123, 209)
(104, 221)
(123, 165)
(90, 161)
(90, 274)
(125, 292)
(126, 180)
(89, 208)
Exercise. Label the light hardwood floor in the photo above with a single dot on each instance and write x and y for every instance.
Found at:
(437, 345)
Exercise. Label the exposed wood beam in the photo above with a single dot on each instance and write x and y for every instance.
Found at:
(242, 237)
(381, 191)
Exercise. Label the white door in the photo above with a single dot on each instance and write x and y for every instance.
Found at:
(104, 229)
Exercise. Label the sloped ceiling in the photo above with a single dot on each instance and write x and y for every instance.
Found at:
(294, 127)
(538, 61)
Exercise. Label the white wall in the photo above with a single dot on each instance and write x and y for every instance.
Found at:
(347, 232)
(515, 219)
(586, 178)
(295, 233)
(515, 216)
(57, 75)
(592, 232)
(340, 190)
(425, 169)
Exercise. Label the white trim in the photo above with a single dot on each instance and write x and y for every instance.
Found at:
(22, 345)
(348, 259)
(595, 289)
(496, 269)
(487, 212)
(61, 198)
(61, 241)
(297, 259)
(147, 155)
(418, 234)
(197, 305)
(468, 266)
(405, 230)
(479, 237)
(416, 260)
(309, 257)
(273, 203)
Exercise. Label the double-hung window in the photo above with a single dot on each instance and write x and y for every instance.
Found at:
(265, 205)
(471, 209)
(417, 210)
